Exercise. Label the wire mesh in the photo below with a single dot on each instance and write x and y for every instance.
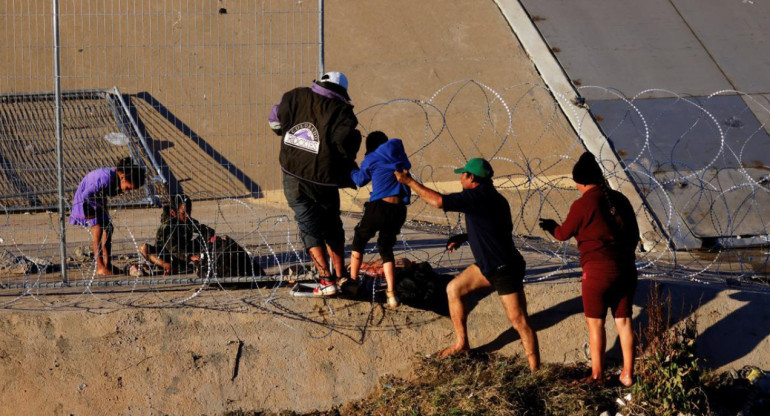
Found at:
(206, 69)
(194, 82)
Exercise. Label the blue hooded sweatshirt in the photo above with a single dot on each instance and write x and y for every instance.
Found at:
(378, 167)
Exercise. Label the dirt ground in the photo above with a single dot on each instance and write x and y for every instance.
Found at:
(261, 349)
(130, 351)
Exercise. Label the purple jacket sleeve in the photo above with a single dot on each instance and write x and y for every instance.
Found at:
(274, 121)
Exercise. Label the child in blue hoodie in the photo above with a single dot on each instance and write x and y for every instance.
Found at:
(386, 210)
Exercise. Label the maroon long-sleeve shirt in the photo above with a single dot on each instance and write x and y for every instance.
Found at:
(595, 237)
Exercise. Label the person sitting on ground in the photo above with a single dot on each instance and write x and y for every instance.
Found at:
(180, 239)
(385, 212)
(89, 206)
(605, 227)
(498, 263)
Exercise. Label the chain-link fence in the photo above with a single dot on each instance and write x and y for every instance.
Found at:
(182, 87)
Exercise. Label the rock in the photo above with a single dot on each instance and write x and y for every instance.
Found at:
(83, 253)
(7, 260)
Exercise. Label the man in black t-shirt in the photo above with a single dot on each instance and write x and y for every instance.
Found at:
(498, 263)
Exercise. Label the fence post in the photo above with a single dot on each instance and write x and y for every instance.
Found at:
(321, 37)
(59, 167)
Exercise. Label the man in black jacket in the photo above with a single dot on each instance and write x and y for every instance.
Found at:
(319, 143)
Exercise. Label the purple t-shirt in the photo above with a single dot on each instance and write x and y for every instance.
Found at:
(90, 201)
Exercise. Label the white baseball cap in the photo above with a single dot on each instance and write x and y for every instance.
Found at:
(337, 78)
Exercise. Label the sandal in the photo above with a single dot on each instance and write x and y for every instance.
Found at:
(393, 301)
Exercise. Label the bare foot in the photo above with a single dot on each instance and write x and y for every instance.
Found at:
(104, 272)
(453, 350)
(626, 379)
(589, 381)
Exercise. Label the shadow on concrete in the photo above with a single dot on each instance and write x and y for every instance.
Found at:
(252, 187)
(725, 342)
(731, 337)
(539, 322)
(728, 339)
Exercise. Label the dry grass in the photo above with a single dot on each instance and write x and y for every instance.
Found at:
(485, 384)
(490, 384)
(669, 381)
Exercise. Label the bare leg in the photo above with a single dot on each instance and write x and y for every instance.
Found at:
(318, 255)
(389, 269)
(626, 335)
(337, 253)
(97, 235)
(355, 264)
(154, 259)
(515, 305)
(466, 282)
(107, 248)
(596, 343)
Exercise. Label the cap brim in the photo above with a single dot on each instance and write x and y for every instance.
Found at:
(461, 170)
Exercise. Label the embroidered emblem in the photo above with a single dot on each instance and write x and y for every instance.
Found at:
(303, 136)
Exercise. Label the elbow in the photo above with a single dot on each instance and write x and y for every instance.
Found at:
(559, 236)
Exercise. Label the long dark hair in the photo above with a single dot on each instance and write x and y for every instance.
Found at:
(610, 210)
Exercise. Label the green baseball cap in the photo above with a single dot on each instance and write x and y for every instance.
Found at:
(478, 167)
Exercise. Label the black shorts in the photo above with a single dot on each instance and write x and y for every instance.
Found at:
(383, 218)
(508, 279)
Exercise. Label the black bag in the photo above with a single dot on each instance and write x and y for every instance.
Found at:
(419, 286)
(228, 259)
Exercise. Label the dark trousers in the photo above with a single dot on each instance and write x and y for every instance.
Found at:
(316, 210)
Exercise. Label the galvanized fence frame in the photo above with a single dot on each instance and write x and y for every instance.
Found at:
(206, 50)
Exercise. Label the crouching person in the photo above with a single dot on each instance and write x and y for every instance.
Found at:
(180, 239)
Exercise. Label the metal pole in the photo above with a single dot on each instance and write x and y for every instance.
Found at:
(59, 170)
(321, 36)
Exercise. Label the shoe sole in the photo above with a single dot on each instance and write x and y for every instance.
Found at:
(326, 291)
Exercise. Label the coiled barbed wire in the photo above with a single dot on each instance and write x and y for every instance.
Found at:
(532, 147)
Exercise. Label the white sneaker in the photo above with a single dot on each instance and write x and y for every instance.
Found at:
(326, 288)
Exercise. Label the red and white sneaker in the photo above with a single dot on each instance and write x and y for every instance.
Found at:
(326, 288)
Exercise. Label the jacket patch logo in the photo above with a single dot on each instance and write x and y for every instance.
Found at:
(303, 136)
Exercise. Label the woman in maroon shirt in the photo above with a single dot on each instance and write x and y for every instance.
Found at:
(604, 224)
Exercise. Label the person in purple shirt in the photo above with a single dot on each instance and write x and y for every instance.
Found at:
(89, 206)
(385, 212)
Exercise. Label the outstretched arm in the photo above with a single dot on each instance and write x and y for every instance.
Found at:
(430, 196)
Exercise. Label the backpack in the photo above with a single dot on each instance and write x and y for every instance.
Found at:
(419, 286)
(228, 259)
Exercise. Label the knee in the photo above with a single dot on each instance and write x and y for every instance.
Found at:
(143, 249)
(386, 255)
(359, 244)
(623, 323)
(518, 321)
(453, 291)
